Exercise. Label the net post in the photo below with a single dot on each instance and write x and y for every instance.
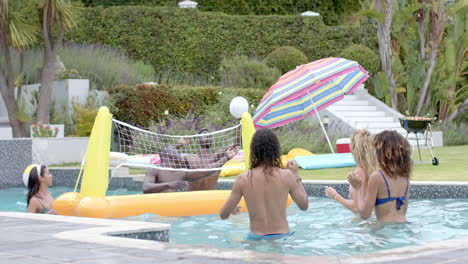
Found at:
(96, 171)
(248, 130)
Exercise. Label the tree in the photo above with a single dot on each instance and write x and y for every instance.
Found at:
(381, 11)
(15, 33)
(56, 16)
(437, 23)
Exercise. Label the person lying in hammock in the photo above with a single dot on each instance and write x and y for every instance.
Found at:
(162, 180)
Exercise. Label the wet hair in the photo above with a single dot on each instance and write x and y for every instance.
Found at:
(33, 182)
(362, 148)
(265, 150)
(393, 154)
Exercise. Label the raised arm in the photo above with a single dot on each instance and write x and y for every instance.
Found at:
(349, 204)
(234, 198)
(366, 199)
(195, 164)
(297, 190)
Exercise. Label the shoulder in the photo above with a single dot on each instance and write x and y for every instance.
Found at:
(35, 204)
(375, 178)
(242, 177)
(361, 171)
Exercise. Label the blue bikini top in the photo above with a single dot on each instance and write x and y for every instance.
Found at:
(400, 201)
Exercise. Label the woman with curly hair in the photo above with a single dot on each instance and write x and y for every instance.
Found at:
(265, 188)
(362, 148)
(388, 188)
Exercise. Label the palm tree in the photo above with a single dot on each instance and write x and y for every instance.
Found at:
(382, 12)
(15, 33)
(56, 16)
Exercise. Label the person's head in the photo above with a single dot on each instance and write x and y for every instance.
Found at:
(171, 157)
(35, 177)
(362, 148)
(393, 153)
(265, 150)
(205, 141)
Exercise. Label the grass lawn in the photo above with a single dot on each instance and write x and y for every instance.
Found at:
(453, 166)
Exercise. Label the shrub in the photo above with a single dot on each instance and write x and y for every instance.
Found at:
(84, 115)
(41, 130)
(243, 72)
(141, 104)
(332, 11)
(286, 58)
(366, 57)
(305, 135)
(455, 134)
(188, 41)
(103, 66)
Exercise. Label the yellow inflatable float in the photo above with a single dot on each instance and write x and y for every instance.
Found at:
(92, 202)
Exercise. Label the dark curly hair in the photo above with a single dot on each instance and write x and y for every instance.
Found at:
(265, 150)
(393, 154)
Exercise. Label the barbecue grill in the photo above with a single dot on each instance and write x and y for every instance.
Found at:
(422, 126)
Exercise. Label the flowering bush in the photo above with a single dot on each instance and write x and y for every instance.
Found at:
(41, 130)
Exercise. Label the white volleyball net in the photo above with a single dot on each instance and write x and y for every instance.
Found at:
(205, 151)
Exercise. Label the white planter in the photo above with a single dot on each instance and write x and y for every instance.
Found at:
(59, 150)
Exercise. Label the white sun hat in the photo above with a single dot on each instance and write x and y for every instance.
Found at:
(27, 171)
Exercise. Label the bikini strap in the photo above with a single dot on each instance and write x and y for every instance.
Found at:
(40, 201)
(386, 183)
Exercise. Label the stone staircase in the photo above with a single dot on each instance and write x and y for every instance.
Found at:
(363, 111)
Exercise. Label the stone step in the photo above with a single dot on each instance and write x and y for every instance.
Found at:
(351, 97)
(378, 130)
(368, 119)
(382, 125)
(361, 114)
(350, 102)
(355, 108)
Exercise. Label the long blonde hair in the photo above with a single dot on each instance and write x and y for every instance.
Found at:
(362, 148)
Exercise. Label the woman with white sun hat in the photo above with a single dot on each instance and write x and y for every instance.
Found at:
(38, 180)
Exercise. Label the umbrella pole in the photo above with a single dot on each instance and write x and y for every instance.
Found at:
(321, 124)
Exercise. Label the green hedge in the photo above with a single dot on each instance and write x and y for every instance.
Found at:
(141, 104)
(189, 41)
(333, 11)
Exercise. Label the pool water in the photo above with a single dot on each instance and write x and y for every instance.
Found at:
(325, 229)
(14, 199)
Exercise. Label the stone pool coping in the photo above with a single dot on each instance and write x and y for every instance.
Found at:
(455, 251)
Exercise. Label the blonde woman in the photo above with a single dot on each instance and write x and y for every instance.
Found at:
(362, 148)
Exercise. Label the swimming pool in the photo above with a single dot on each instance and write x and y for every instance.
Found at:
(325, 229)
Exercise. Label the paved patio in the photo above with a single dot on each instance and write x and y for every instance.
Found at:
(35, 238)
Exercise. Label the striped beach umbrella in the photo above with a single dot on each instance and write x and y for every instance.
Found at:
(308, 89)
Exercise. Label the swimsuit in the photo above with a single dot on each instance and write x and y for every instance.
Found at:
(44, 209)
(254, 237)
(400, 201)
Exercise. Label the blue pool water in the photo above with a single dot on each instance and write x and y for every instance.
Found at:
(325, 229)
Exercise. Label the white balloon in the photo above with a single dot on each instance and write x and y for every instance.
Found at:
(238, 106)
